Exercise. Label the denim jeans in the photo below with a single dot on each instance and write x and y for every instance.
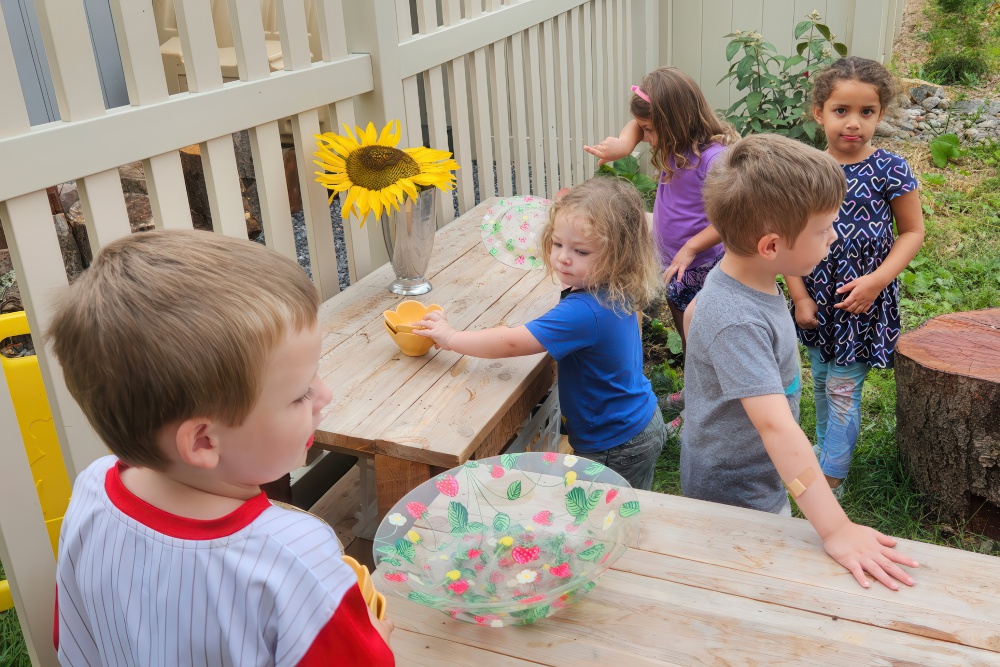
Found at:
(635, 459)
(838, 411)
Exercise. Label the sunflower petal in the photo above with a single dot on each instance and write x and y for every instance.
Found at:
(349, 202)
(384, 139)
(375, 203)
(371, 136)
(408, 187)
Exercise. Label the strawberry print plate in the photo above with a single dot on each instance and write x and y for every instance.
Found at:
(507, 540)
(512, 230)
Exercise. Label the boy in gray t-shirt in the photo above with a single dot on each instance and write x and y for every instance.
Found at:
(773, 201)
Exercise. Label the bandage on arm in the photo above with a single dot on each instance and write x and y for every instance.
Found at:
(798, 486)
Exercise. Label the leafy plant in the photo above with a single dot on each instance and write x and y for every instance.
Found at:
(778, 86)
(945, 148)
(963, 67)
(628, 168)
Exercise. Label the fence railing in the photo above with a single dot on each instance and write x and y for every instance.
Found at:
(514, 88)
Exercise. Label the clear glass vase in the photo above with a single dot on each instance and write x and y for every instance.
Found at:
(409, 238)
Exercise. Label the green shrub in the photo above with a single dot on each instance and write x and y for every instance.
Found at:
(628, 168)
(777, 87)
(963, 67)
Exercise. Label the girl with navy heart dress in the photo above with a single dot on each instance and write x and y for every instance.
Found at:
(847, 311)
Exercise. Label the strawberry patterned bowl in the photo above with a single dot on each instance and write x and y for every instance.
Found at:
(506, 540)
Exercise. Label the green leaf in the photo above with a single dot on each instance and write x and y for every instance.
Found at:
(576, 502)
(801, 47)
(491, 589)
(593, 553)
(594, 469)
(386, 550)
(471, 464)
(731, 50)
(745, 66)
(674, 342)
(508, 461)
(404, 549)
(514, 491)
(501, 522)
(792, 62)
(541, 612)
(424, 598)
(605, 170)
(627, 165)
(594, 498)
(475, 527)
(823, 30)
(840, 48)
(754, 100)
(395, 562)
(802, 28)
(458, 516)
(628, 509)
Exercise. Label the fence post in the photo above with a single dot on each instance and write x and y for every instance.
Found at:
(869, 29)
(374, 30)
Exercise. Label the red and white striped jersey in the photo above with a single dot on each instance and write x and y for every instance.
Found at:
(260, 586)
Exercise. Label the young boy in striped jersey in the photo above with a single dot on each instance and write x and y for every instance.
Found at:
(195, 358)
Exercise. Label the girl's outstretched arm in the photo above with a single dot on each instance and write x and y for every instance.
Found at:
(910, 226)
(615, 148)
(495, 343)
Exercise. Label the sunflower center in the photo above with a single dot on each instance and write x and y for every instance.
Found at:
(378, 167)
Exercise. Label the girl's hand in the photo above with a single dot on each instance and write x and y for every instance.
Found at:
(805, 313)
(383, 628)
(679, 264)
(863, 292)
(435, 326)
(862, 549)
(611, 149)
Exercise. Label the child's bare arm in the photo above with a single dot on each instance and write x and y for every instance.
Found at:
(384, 628)
(805, 308)
(859, 549)
(495, 343)
(615, 148)
(910, 225)
(700, 242)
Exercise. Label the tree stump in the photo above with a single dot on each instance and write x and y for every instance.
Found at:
(948, 408)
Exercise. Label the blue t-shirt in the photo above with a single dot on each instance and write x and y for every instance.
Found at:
(602, 391)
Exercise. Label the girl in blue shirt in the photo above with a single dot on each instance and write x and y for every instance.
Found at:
(598, 244)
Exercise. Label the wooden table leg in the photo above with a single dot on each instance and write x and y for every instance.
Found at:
(394, 478)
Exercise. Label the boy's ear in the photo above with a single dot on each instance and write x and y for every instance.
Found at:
(196, 443)
(767, 246)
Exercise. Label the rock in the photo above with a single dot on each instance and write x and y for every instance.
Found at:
(902, 134)
(10, 299)
(945, 104)
(971, 133)
(968, 106)
(934, 123)
(919, 93)
(885, 129)
(74, 216)
(6, 265)
(68, 195)
(988, 123)
(72, 259)
(930, 102)
(140, 215)
(133, 178)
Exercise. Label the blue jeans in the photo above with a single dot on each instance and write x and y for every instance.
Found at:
(838, 411)
(635, 460)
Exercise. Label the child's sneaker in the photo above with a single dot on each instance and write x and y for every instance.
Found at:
(817, 451)
(674, 428)
(838, 492)
(672, 403)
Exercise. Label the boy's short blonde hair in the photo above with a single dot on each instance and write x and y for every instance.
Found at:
(170, 325)
(769, 184)
(626, 270)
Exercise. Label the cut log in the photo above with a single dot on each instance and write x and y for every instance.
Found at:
(948, 408)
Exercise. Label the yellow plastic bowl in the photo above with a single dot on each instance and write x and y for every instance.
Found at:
(405, 314)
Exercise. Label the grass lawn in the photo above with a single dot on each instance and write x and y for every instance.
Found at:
(957, 269)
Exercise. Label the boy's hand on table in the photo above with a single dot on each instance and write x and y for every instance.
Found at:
(384, 628)
(805, 313)
(435, 326)
(862, 549)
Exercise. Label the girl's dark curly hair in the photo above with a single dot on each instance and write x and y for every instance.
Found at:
(853, 68)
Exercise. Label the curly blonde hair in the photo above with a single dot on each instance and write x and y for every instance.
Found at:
(625, 275)
(682, 119)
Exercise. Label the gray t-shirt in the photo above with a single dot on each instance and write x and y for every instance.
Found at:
(741, 344)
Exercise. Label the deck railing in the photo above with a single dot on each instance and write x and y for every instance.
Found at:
(513, 87)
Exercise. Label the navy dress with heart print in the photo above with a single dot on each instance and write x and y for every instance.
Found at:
(865, 237)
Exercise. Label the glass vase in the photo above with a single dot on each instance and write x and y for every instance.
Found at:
(409, 238)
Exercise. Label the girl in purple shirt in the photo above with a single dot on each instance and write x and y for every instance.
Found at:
(671, 114)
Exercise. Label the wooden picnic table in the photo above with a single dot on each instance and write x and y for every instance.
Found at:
(419, 415)
(717, 585)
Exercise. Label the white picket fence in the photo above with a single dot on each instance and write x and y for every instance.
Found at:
(517, 84)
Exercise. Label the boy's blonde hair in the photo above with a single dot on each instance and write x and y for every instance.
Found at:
(682, 119)
(626, 270)
(768, 184)
(169, 325)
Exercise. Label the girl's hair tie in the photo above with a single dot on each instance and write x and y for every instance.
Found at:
(638, 91)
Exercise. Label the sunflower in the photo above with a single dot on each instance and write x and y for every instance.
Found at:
(374, 173)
